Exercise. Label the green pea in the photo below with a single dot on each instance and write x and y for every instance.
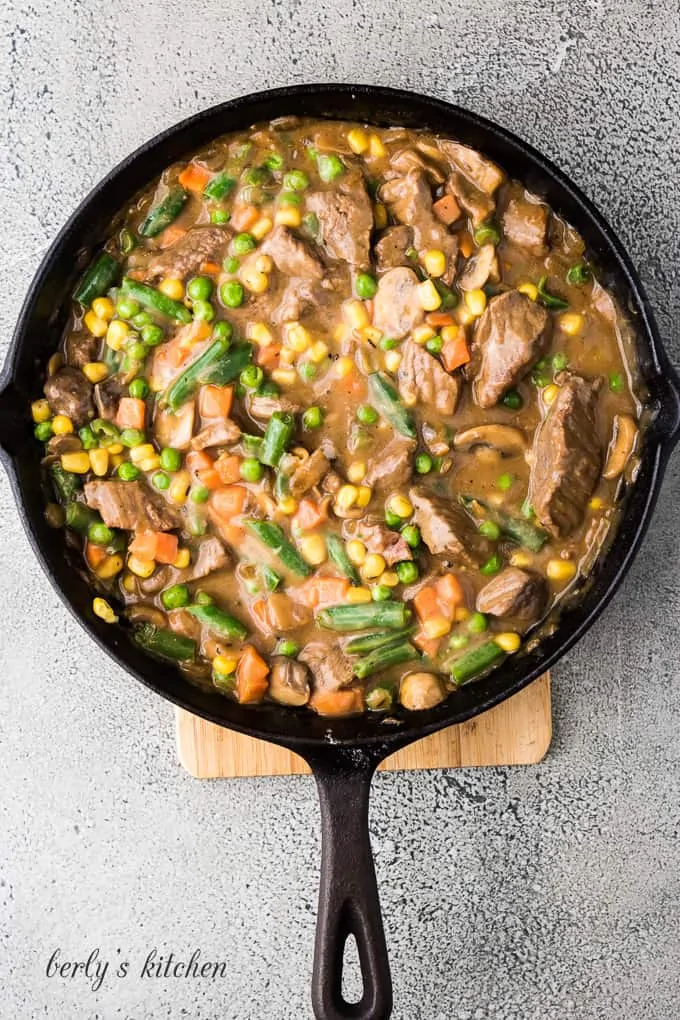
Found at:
(513, 400)
(287, 647)
(132, 437)
(128, 472)
(43, 432)
(251, 377)
(559, 362)
(392, 520)
(175, 597)
(367, 415)
(126, 307)
(434, 345)
(307, 370)
(171, 459)
(407, 571)
(492, 565)
(312, 418)
(139, 388)
(527, 510)
(254, 176)
(424, 463)
(232, 294)
(310, 224)
(578, 274)
(200, 288)
(199, 494)
(136, 351)
(243, 243)
(490, 530)
(203, 599)
(487, 233)
(388, 343)
(295, 180)
(222, 330)
(219, 216)
(87, 437)
(616, 382)
(141, 319)
(505, 481)
(411, 535)
(269, 389)
(203, 310)
(457, 641)
(160, 481)
(477, 623)
(381, 593)
(231, 264)
(251, 470)
(274, 161)
(329, 166)
(365, 286)
(99, 534)
(287, 198)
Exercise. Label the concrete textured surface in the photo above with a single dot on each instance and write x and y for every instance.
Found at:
(546, 892)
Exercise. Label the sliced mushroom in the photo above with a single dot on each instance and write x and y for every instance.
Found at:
(480, 268)
(289, 681)
(419, 691)
(507, 439)
(621, 446)
(144, 613)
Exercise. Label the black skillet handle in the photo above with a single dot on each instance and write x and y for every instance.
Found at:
(348, 896)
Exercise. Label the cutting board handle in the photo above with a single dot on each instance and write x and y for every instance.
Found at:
(348, 893)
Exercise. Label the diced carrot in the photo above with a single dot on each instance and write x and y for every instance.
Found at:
(143, 545)
(251, 677)
(429, 646)
(210, 478)
(166, 547)
(171, 235)
(450, 594)
(94, 554)
(310, 514)
(192, 334)
(215, 401)
(337, 702)
(228, 467)
(194, 177)
(244, 217)
(136, 274)
(268, 357)
(229, 501)
(455, 353)
(199, 460)
(426, 603)
(232, 534)
(438, 319)
(321, 591)
(211, 268)
(258, 610)
(446, 209)
(131, 413)
(465, 244)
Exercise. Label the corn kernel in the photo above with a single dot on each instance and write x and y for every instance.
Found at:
(261, 228)
(529, 289)
(99, 461)
(596, 503)
(313, 549)
(62, 425)
(286, 357)
(356, 472)
(392, 361)
(364, 495)
(376, 147)
(521, 559)
(110, 567)
(389, 578)
(140, 453)
(172, 288)
(287, 505)
(298, 338)
(284, 376)
(150, 463)
(373, 566)
(103, 610)
(40, 411)
(436, 627)
(346, 497)
(96, 326)
(259, 333)
(129, 583)
(182, 560)
(475, 301)
(379, 216)
(463, 314)
(358, 595)
(116, 458)
(288, 216)
(449, 333)
(408, 399)
(115, 448)
(372, 334)
(428, 296)
(341, 333)
(549, 394)
(103, 308)
(264, 263)
(358, 141)
(225, 664)
(355, 314)
(179, 487)
(117, 334)
(55, 363)
(95, 371)
(400, 505)
(78, 463)
(253, 280)
(560, 570)
(460, 614)
(344, 367)
(318, 352)
(508, 641)
(422, 333)
(571, 323)
(356, 551)
(434, 261)
(141, 568)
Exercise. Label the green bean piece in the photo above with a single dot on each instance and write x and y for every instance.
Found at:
(127, 241)
(220, 186)
(386, 399)
(66, 484)
(487, 233)
(380, 698)
(271, 579)
(476, 662)
(338, 554)
(362, 615)
(382, 658)
(165, 213)
(220, 622)
(165, 644)
(550, 300)
(578, 274)
(517, 528)
(231, 365)
(149, 297)
(277, 437)
(101, 275)
(274, 538)
(198, 372)
(376, 639)
(79, 516)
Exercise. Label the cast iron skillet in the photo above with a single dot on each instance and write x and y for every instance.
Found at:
(343, 753)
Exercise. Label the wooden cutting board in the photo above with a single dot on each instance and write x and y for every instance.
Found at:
(516, 732)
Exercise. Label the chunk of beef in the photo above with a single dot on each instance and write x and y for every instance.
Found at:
(175, 430)
(378, 538)
(480, 268)
(185, 257)
(525, 223)
(397, 308)
(220, 433)
(393, 468)
(346, 219)
(107, 396)
(302, 297)
(521, 594)
(332, 669)
(82, 348)
(408, 159)
(210, 555)
(480, 171)
(410, 201)
(131, 506)
(291, 255)
(69, 392)
(508, 341)
(262, 407)
(281, 614)
(390, 250)
(475, 203)
(447, 530)
(309, 473)
(423, 378)
(567, 458)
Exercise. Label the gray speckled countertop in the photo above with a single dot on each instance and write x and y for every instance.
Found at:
(526, 893)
